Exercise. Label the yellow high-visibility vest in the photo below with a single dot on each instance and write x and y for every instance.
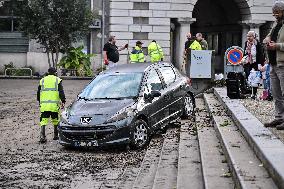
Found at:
(137, 55)
(49, 94)
(155, 52)
(195, 45)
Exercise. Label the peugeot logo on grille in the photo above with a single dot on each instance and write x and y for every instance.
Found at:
(86, 120)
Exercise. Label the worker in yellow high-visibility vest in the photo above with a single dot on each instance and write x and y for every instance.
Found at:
(155, 52)
(50, 93)
(137, 54)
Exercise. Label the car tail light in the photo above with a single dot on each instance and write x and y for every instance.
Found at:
(188, 81)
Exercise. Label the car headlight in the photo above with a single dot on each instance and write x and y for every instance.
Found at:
(123, 114)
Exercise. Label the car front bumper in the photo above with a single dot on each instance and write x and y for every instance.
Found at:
(92, 136)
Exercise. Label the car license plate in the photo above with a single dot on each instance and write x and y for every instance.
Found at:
(86, 144)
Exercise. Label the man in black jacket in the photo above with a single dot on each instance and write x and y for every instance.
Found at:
(111, 52)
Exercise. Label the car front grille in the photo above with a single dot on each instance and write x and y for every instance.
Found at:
(88, 133)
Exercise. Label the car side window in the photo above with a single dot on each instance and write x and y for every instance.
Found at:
(168, 74)
(153, 81)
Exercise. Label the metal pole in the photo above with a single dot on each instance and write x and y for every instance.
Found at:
(91, 31)
(103, 31)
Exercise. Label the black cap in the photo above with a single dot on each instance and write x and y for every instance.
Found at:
(139, 43)
(52, 70)
(154, 41)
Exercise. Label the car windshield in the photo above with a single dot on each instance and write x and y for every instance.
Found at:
(113, 86)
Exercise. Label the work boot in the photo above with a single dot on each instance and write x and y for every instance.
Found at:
(55, 133)
(42, 135)
(280, 127)
(274, 123)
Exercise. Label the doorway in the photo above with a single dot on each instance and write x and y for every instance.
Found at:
(218, 21)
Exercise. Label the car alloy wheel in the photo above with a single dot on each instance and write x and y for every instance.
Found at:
(140, 134)
(188, 105)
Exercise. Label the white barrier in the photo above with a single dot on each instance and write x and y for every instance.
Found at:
(31, 71)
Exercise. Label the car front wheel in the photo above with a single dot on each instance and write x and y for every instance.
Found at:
(189, 106)
(140, 134)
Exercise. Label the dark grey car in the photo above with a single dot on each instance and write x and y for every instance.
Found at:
(125, 105)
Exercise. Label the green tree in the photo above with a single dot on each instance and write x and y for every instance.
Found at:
(75, 58)
(56, 24)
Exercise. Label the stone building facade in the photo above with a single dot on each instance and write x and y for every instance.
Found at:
(223, 22)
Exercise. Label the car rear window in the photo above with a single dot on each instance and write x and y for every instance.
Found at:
(168, 74)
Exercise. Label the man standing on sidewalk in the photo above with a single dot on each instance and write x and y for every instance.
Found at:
(111, 52)
(275, 49)
(50, 93)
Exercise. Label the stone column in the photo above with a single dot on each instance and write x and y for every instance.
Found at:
(245, 30)
(183, 30)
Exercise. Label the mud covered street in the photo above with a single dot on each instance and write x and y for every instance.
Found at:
(24, 163)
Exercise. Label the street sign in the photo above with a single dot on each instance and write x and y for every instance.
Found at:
(234, 56)
(232, 60)
(96, 24)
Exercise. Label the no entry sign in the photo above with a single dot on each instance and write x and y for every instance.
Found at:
(234, 55)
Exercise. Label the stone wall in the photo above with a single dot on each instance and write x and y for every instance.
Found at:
(146, 20)
(18, 59)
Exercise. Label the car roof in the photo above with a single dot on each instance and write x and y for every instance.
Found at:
(129, 68)
(133, 67)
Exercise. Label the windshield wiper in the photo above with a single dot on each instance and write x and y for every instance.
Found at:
(118, 98)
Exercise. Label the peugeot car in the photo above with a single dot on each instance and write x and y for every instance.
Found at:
(126, 105)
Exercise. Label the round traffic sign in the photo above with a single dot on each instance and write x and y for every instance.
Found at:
(234, 56)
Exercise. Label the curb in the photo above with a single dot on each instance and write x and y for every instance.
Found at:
(267, 147)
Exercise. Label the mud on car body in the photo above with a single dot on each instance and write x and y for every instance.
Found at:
(126, 105)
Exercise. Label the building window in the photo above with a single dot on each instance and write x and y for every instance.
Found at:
(9, 15)
(140, 20)
(140, 35)
(141, 5)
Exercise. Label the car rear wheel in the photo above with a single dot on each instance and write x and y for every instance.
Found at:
(189, 106)
(140, 135)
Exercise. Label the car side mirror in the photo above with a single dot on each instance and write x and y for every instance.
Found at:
(152, 95)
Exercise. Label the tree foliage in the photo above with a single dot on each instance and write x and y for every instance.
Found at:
(76, 59)
(55, 24)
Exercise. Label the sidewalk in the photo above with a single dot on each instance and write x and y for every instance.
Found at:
(263, 110)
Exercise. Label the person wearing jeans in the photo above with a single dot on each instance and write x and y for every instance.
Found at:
(275, 50)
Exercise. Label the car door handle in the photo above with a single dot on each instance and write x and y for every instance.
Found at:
(167, 97)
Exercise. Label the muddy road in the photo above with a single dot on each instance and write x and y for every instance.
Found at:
(24, 163)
